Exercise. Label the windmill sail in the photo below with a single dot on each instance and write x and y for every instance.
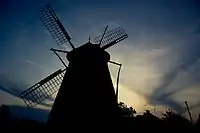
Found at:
(111, 37)
(54, 26)
(43, 89)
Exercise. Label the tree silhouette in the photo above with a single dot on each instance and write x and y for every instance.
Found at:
(171, 116)
(175, 121)
(126, 111)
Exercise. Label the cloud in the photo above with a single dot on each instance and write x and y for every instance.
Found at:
(160, 57)
(160, 65)
(34, 64)
(13, 90)
(158, 96)
(176, 86)
(9, 86)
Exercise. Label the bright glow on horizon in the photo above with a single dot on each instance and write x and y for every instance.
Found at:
(132, 99)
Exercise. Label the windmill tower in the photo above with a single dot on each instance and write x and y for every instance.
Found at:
(86, 94)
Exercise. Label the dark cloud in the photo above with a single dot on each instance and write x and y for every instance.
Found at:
(9, 86)
(13, 91)
(161, 95)
(17, 91)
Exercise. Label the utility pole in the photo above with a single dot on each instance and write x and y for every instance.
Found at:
(189, 111)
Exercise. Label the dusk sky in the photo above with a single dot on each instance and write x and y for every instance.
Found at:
(161, 56)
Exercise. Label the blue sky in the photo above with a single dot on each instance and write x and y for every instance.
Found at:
(160, 58)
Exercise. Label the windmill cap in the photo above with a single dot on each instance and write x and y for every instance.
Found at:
(88, 52)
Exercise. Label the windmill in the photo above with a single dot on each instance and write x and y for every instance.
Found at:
(85, 89)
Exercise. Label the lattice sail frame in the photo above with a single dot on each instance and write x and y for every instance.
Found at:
(52, 23)
(111, 37)
(43, 89)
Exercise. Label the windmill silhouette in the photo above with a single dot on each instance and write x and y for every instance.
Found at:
(85, 89)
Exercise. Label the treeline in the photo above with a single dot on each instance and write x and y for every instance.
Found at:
(147, 122)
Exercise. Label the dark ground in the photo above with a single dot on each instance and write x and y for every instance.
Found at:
(170, 122)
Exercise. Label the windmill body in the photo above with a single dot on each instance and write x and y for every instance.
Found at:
(86, 94)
